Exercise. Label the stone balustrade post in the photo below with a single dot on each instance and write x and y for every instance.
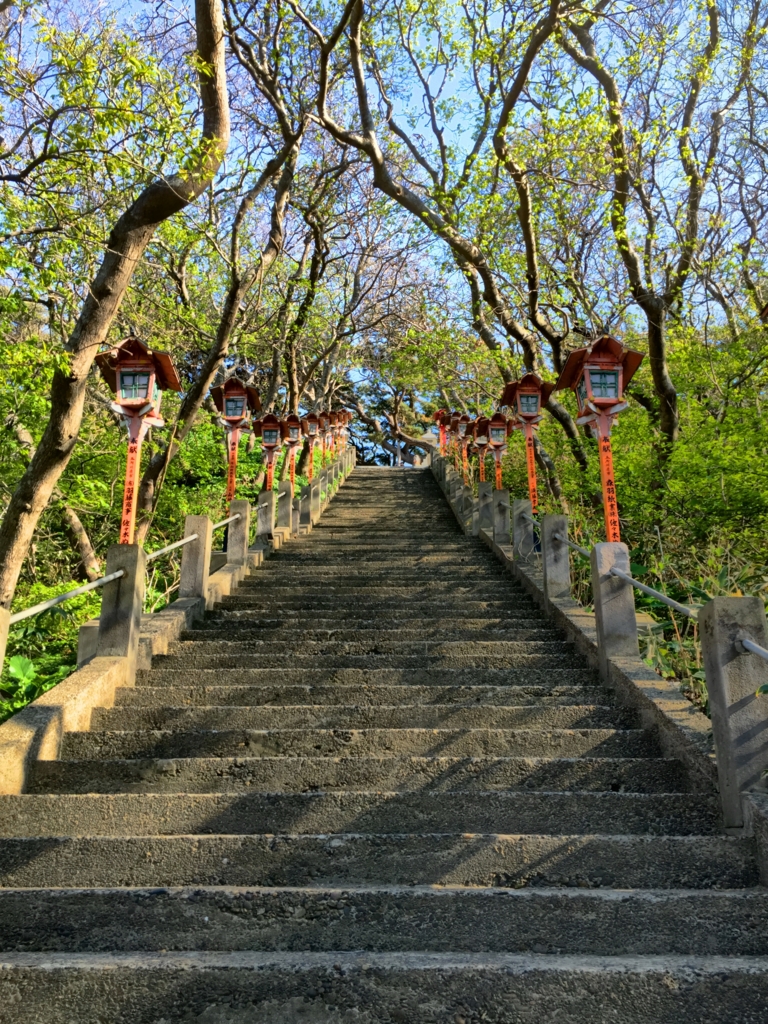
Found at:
(485, 506)
(523, 537)
(555, 558)
(122, 605)
(295, 516)
(266, 515)
(501, 516)
(314, 500)
(239, 532)
(196, 558)
(285, 505)
(305, 506)
(739, 717)
(614, 601)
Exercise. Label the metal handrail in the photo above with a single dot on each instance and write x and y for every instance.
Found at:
(749, 645)
(52, 602)
(172, 547)
(692, 613)
(571, 545)
(224, 522)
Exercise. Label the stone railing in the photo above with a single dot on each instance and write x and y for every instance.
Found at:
(730, 752)
(123, 640)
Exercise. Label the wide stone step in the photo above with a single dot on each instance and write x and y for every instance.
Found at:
(246, 618)
(492, 859)
(353, 716)
(424, 591)
(362, 743)
(127, 814)
(387, 919)
(245, 630)
(162, 696)
(324, 608)
(308, 774)
(548, 678)
(413, 988)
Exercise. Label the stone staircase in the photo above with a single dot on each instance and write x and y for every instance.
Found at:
(374, 785)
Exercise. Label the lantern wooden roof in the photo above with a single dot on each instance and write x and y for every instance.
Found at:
(133, 349)
(252, 394)
(605, 350)
(528, 382)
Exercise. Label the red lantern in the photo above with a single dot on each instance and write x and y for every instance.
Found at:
(481, 443)
(136, 375)
(235, 401)
(291, 427)
(598, 375)
(440, 418)
(269, 429)
(311, 427)
(526, 397)
(497, 439)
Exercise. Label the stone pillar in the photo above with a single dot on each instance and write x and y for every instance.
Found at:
(467, 499)
(523, 539)
(614, 606)
(295, 516)
(739, 718)
(122, 604)
(485, 505)
(501, 516)
(196, 558)
(305, 516)
(314, 500)
(239, 533)
(266, 515)
(556, 563)
(285, 504)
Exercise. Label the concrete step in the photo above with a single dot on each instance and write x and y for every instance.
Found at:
(245, 630)
(361, 743)
(309, 774)
(532, 813)
(247, 618)
(410, 988)
(440, 652)
(549, 678)
(490, 859)
(324, 609)
(200, 695)
(354, 716)
(598, 922)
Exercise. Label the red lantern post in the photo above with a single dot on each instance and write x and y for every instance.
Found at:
(440, 419)
(526, 397)
(291, 427)
(310, 425)
(269, 429)
(235, 401)
(598, 375)
(481, 444)
(497, 438)
(136, 375)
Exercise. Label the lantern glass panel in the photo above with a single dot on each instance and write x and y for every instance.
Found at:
(270, 436)
(133, 384)
(312, 427)
(462, 429)
(481, 441)
(498, 435)
(581, 392)
(605, 383)
(528, 404)
(293, 433)
(234, 406)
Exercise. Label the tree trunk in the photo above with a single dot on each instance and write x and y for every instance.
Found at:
(125, 246)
